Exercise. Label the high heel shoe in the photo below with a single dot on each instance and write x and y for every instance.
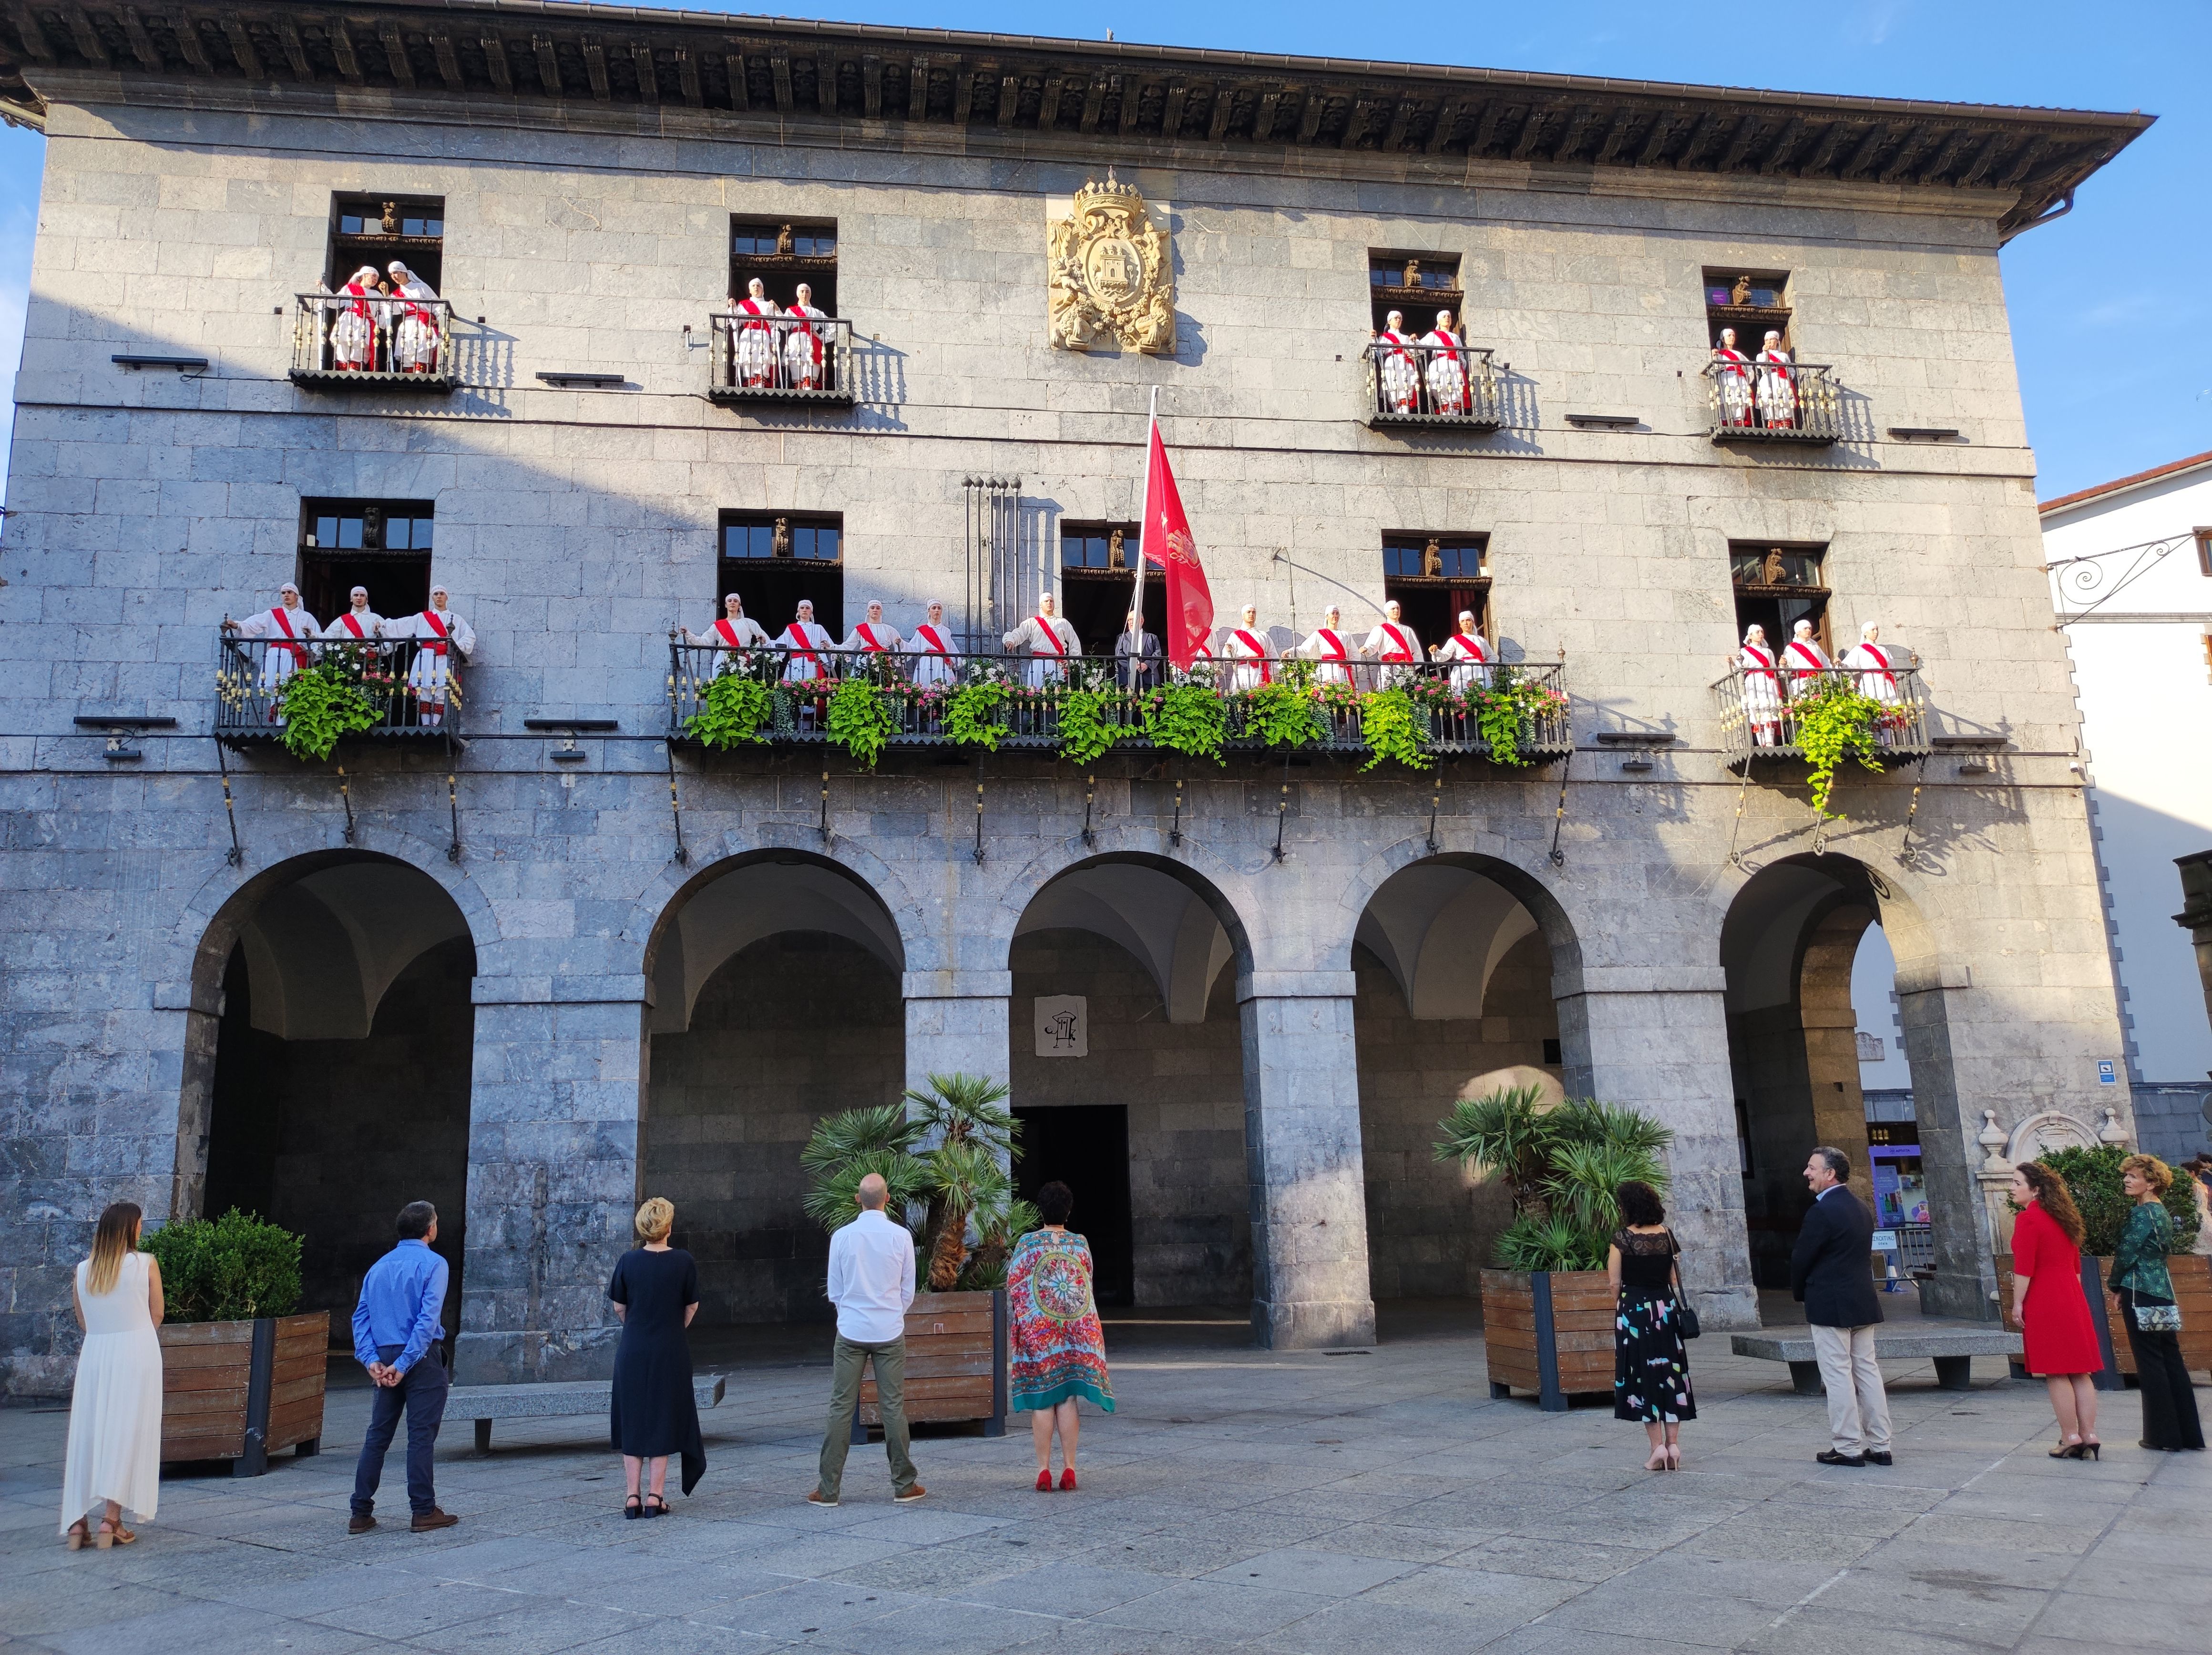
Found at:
(1044, 1480)
(2067, 1449)
(1657, 1462)
(1674, 1458)
(1067, 1479)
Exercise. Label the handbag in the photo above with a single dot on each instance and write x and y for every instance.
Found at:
(1689, 1314)
(2156, 1318)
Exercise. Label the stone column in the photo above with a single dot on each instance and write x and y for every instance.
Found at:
(1965, 1282)
(554, 1112)
(956, 1024)
(1656, 1039)
(1310, 1283)
(2196, 915)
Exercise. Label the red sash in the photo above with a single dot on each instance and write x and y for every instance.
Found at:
(436, 646)
(1732, 361)
(746, 309)
(1776, 365)
(1762, 664)
(868, 637)
(352, 625)
(813, 338)
(359, 307)
(1812, 661)
(1471, 645)
(1405, 649)
(1399, 340)
(1332, 643)
(284, 620)
(1267, 677)
(729, 631)
(1058, 648)
(1881, 662)
(805, 648)
(935, 640)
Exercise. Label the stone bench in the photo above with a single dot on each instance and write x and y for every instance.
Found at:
(552, 1399)
(1953, 1348)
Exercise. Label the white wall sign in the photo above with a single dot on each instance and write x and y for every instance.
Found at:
(1063, 1025)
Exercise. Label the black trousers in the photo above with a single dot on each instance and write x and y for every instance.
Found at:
(2169, 1401)
(421, 1395)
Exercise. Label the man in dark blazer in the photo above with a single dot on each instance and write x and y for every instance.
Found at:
(1136, 656)
(1831, 1270)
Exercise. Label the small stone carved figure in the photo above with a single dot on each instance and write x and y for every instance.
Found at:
(1117, 558)
(780, 542)
(1740, 294)
(1413, 273)
(1432, 558)
(1773, 571)
(783, 243)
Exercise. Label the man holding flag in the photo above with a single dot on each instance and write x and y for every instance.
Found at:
(1167, 545)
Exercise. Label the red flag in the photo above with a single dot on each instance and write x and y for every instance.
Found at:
(1169, 548)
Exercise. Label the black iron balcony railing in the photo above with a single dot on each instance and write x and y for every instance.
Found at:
(1772, 401)
(407, 687)
(341, 342)
(1449, 704)
(1432, 385)
(782, 359)
(1759, 711)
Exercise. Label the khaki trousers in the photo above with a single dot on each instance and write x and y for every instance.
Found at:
(1858, 1407)
(890, 1397)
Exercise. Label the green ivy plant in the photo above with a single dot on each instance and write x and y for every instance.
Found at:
(1190, 720)
(731, 711)
(971, 716)
(861, 720)
(1085, 731)
(319, 704)
(1394, 729)
(1282, 715)
(1834, 722)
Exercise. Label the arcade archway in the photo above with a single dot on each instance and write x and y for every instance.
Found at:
(1127, 1070)
(338, 1079)
(777, 1002)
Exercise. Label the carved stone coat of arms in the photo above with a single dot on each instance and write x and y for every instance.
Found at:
(1112, 276)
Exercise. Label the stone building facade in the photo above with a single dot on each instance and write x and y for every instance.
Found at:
(663, 964)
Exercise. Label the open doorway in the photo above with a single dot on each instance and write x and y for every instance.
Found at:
(1085, 1146)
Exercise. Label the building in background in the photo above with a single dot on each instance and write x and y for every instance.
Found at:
(2130, 566)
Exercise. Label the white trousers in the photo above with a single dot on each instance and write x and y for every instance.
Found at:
(1858, 1407)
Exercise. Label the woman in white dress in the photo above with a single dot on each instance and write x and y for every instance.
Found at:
(415, 337)
(115, 1411)
(1401, 375)
(1762, 690)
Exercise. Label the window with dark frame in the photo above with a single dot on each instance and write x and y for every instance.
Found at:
(1098, 577)
(1777, 586)
(1417, 285)
(374, 230)
(772, 560)
(1433, 578)
(782, 253)
(2204, 551)
(382, 544)
(1752, 303)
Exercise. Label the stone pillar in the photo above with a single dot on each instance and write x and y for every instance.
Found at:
(1310, 1283)
(555, 1113)
(2196, 915)
(1656, 1039)
(1831, 1042)
(1965, 1282)
(956, 1024)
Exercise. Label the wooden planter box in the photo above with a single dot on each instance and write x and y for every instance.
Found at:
(2192, 1291)
(1548, 1331)
(238, 1390)
(955, 1363)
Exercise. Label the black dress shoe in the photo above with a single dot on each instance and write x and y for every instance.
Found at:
(1830, 1457)
(1881, 1458)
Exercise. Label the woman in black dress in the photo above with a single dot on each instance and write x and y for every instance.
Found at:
(655, 1291)
(1651, 1365)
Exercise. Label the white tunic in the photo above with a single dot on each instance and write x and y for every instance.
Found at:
(353, 333)
(1762, 692)
(357, 626)
(809, 645)
(427, 672)
(805, 349)
(753, 347)
(1402, 377)
(1398, 647)
(931, 645)
(872, 638)
(283, 657)
(1469, 657)
(1050, 644)
(1804, 662)
(115, 1406)
(742, 633)
(1249, 646)
(1778, 390)
(1877, 673)
(1327, 646)
(415, 335)
(1735, 384)
(1447, 373)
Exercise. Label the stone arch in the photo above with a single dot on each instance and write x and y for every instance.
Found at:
(1227, 892)
(327, 1057)
(775, 976)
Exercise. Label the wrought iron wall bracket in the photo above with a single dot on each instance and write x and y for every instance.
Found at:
(1089, 796)
(345, 797)
(676, 811)
(1559, 815)
(236, 855)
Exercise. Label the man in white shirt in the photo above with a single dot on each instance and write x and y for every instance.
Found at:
(871, 1284)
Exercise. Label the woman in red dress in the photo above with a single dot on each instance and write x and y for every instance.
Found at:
(2053, 1316)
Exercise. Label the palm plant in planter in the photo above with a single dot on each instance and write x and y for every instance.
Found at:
(1547, 1310)
(241, 1374)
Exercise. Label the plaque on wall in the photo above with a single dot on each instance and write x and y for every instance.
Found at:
(1109, 272)
(1063, 1025)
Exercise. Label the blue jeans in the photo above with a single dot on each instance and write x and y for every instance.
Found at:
(421, 1394)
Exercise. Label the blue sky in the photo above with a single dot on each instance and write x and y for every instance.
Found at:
(2111, 317)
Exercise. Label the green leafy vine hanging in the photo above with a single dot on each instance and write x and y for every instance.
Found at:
(972, 713)
(1190, 720)
(1282, 715)
(1394, 729)
(1834, 723)
(1085, 731)
(861, 720)
(731, 711)
(319, 704)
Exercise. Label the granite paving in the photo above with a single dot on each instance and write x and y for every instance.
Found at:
(1297, 1504)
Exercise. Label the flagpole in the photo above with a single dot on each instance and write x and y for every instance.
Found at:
(1144, 530)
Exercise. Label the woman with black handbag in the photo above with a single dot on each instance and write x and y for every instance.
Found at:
(1651, 1366)
(2144, 1287)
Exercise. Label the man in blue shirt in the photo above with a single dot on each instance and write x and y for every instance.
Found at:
(395, 1331)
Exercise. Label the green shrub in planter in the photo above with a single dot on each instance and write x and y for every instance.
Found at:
(232, 1269)
(2093, 1177)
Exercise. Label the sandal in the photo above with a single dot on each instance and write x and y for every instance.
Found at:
(659, 1506)
(104, 1536)
(633, 1507)
(125, 1536)
(79, 1536)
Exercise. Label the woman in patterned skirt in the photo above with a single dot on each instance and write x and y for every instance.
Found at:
(1059, 1350)
(1651, 1365)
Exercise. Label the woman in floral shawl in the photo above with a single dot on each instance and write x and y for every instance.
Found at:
(1059, 1350)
